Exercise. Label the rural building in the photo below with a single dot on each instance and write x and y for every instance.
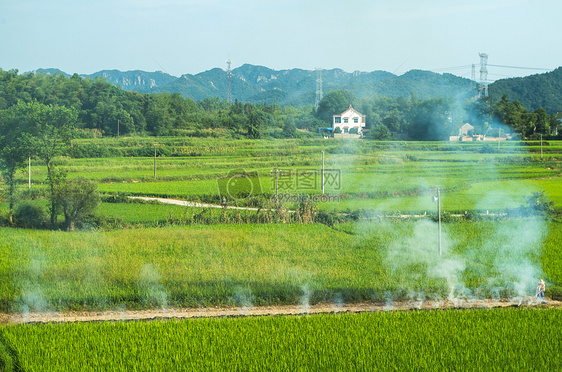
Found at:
(350, 122)
(466, 133)
(466, 127)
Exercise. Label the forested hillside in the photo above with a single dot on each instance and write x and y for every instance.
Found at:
(540, 90)
(297, 87)
(104, 109)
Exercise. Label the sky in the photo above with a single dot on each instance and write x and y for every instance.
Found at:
(189, 36)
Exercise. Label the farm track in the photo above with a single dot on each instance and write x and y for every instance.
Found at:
(185, 203)
(190, 313)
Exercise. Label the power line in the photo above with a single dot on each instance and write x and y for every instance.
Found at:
(523, 68)
(452, 68)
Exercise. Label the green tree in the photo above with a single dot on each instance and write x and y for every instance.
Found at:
(77, 198)
(254, 123)
(289, 129)
(50, 131)
(14, 150)
(379, 132)
(430, 120)
(333, 103)
(543, 121)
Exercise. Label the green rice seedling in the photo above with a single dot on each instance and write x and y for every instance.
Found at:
(501, 339)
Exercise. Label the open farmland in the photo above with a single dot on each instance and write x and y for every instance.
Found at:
(350, 252)
(479, 340)
(140, 256)
(387, 177)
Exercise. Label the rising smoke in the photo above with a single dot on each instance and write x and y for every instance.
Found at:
(504, 263)
(149, 284)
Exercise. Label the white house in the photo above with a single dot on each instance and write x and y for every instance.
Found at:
(463, 131)
(347, 120)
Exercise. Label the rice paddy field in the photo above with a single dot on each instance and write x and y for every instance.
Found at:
(371, 249)
(475, 340)
(384, 176)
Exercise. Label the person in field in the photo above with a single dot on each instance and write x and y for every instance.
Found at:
(223, 202)
(540, 289)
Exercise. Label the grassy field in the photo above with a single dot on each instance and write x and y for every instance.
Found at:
(263, 264)
(477, 340)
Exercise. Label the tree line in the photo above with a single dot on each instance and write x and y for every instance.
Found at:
(104, 109)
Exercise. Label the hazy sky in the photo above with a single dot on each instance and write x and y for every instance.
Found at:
(188, 36)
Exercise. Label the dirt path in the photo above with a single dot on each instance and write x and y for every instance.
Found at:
(185, 203)
(128, 315)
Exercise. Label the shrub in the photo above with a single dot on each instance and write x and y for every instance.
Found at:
(30, 215)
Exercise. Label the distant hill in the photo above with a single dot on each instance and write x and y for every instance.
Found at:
(137, 80)
(259, 84)
(540, 90)
(51, 71)
(140, 81)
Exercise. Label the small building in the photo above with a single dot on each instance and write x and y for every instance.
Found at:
(466, 132)
(465, 129)
(350, 122)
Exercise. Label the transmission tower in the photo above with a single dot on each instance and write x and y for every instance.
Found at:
(319, 93)
(229, 75)
(473, 76)
(483, 89)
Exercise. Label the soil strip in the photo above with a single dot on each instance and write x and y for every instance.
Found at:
(211, 312)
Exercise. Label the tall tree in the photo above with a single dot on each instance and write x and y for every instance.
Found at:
(333, 103)
(51, 129)
(254, 123)
(543, 121)
(13, 148)
(430, 120)
(78, 198)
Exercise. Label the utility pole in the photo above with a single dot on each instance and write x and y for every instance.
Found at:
(499, 137)
(117, 128)
(322, 172)
(438, 200)
(29, 171)
(276, 184)
(154, 161)
(541, 145)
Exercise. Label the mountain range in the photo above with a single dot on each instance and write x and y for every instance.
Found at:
(259, 84)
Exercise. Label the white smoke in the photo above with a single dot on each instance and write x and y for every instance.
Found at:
(388, 301)
(338, 301)
(415, 259)
(149, 283)
(305, 298)
(244, 299)
(32, 293)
